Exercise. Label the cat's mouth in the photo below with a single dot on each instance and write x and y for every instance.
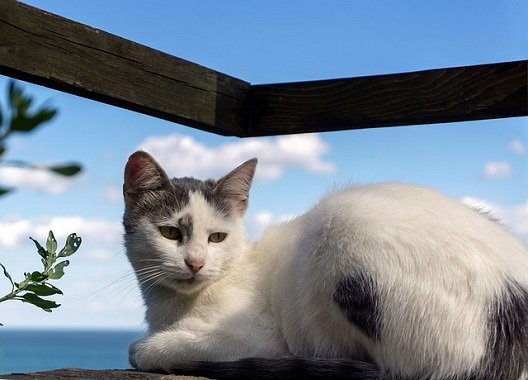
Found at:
(186, 280)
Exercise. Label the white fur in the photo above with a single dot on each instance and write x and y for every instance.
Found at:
(276, 296)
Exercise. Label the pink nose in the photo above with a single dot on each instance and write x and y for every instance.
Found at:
(194, 265)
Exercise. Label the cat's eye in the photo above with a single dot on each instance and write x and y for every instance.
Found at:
(217, 237)
(171, 233)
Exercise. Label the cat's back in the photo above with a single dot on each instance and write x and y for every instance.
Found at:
(395, 230)
(411, 228)
(411, 215)
(400, 273)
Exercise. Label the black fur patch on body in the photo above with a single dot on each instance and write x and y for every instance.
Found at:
(507, 355)
(356, 296)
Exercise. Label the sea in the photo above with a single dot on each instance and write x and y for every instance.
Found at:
(41, 350)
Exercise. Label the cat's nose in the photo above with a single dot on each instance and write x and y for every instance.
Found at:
(194, 265)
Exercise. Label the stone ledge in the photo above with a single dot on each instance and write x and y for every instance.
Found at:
(88, 374)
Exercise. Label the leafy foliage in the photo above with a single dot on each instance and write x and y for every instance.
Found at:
(21, 118)
(35, 285)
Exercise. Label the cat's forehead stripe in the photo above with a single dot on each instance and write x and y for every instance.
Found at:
(185, 224)
(184, 188)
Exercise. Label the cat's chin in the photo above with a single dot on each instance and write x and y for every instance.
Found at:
(187, 286)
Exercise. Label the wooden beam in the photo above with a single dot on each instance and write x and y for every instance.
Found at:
(425, 97)
(55, 52)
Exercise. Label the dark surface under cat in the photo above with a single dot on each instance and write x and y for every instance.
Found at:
(87, 374)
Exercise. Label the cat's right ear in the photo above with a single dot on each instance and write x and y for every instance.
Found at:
(235, 186)
(142, 173)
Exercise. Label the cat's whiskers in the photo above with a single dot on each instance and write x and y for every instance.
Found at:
(152, 282)
(125, 284)
(146, 274)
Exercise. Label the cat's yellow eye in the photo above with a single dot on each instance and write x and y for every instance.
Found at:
(217, 237)
(171, 233)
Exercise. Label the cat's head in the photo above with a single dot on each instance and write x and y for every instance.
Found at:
(183, 233)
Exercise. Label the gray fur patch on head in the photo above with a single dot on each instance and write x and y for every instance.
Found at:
(153, 206)
(160, 199)
(163, 203)
(183, 187)
(185, 225)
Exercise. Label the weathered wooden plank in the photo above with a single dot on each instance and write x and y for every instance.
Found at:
(425, 97)
(87, 374)
(46, 49)
(55, 52)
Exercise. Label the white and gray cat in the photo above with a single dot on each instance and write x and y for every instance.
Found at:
(383, 281)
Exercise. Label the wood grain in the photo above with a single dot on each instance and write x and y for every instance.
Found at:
(46, 49)
(425, 97)
(52, 51)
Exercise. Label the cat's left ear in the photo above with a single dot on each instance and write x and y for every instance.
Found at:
(235, 186)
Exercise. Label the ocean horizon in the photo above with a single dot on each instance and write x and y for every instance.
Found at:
(28, 350)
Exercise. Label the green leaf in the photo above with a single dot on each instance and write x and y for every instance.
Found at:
(43, 289)
(33, 299)
(51, 243)
(14, 93)
(8, 276)
(25, 123)
(58, 271)
(65, 170)
(5, 190)
(73, 242)
(38, 276)
(41, 251)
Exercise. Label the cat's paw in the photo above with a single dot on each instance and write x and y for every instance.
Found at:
(161, 351)
(132, 350)
(142, 357)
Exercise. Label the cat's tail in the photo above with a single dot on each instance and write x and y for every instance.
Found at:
(282, 368)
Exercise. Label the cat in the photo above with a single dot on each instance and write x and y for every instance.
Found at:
(384, 281)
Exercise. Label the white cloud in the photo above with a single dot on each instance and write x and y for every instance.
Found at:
(258, 222)
(497, 170)
(184, 156)
(517, 146)
(514, 217)
(15, 232)
(34, 179)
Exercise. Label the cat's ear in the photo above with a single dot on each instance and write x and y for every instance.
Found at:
(143, 173)
(235, 186)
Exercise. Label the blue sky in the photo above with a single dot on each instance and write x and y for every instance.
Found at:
(260, 42)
